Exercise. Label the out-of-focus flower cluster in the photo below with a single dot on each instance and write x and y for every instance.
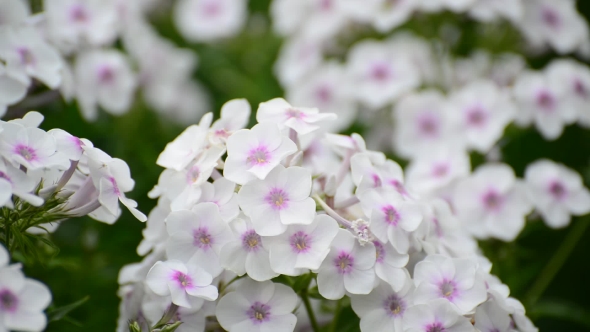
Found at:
(434, 108)
(72, 46)
(47, 177)
(317, 215)
(483, 93)
(22, 300)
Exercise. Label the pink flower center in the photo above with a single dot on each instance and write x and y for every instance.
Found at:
(184, 280)
(25, 55)
(294, 113)
(324, 94)
(300, 242)
(546, 101)
(344, 263)
(551, 17)
(557, 190)
(106, 75)
(251, 241)
(277, 199)
(78, 14)
(428, 125)
(440, 170)
(202, 238)
(26, 152)
(580, 89)
(259, 312)
(380, 72)
(8, 301)
(326, 4)
(435, 327)
(476, 117)
(193, 174)
(394, 305)
(448, 289)
(212, 8)
(258, 156)
(391, 215)
(492, 200)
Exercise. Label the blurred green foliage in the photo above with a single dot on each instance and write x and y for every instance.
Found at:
(91, 253)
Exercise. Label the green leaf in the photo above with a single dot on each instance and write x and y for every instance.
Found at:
(59, 313)
(314, 293)
(561, 310)
(302, 282)
(169, 327)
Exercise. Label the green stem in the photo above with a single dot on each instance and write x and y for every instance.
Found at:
(334, 326)
(557, 261)
(310, 313)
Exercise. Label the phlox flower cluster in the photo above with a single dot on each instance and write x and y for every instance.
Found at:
(22, 300)
(434, 109)
(70, 47)
(49, 176)
(401, 68)
(251, 222)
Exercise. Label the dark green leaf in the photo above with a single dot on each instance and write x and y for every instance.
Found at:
(59, 313)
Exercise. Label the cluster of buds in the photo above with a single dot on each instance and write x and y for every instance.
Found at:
(256, 228)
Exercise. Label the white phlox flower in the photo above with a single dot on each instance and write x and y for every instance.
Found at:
(434, 316)
(184, 149)
(553, 22)
(247, 253)
(301, 120)
(254, 153)
(112, 178)
(391, 14)
(222, 193)
(543, 102)
(32, 148)
(390, 265)
(282, 199)
(492, 202)
(73, 24)
(13, 181)
(235, 115)
(556, 191)
(434, 174)
(103, 77)
(258, 307)
(576, 78)
(383, 309)
(392, 218)
(28, 55)
(22, 300)
(371, 170)
(348, 267)
(302, 247)
(381, 73)
(207, 20)
(455, 280)
(329, 88)
(424, 122)
(198, 234)
(484, 111)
